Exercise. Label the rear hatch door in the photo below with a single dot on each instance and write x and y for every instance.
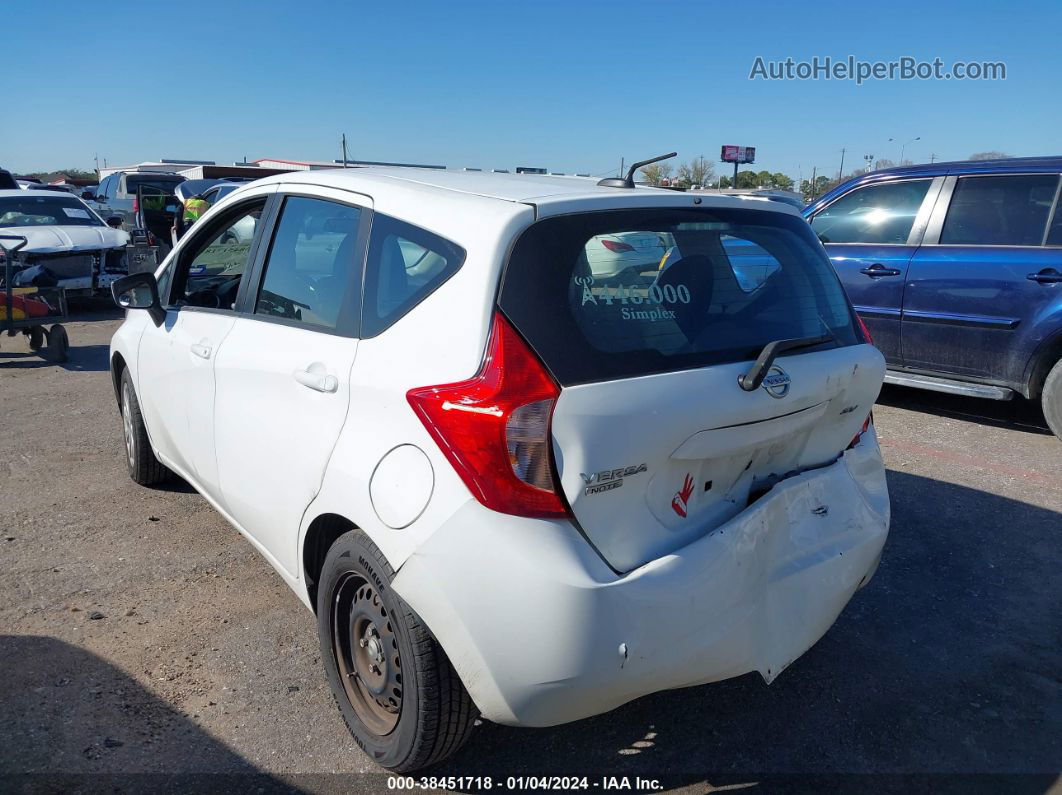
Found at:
(655, 441)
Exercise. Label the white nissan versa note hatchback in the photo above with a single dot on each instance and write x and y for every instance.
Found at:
(507, 484)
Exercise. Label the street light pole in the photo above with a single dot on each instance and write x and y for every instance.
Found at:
(916, 138)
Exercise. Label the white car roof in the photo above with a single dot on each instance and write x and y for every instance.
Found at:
(551, 195)
(24, 192)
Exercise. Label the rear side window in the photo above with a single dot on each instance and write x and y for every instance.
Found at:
(312, 263)
(999, 211)
(404, 265)
(874, 214)
(686, 289)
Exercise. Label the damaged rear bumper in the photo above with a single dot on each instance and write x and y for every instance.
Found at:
(541, 632)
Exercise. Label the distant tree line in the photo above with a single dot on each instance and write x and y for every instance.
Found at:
(700, 172)
(51, 176)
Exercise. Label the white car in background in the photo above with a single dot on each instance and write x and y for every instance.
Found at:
(504, 487)
(609, 255)
(67, 243)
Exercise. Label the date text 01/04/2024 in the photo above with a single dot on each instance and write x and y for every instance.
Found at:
(518, 783)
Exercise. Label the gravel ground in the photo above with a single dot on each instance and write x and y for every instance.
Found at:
(143, 641)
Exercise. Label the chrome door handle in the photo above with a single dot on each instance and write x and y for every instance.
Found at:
(877, 269)
(201, 350)
(1046, 276)
(317, 381)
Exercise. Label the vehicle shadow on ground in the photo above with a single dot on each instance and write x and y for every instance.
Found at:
(91, 310)
(83, 358)
(174, 484)
(946, 663)
(1018, 413)
(74, 722)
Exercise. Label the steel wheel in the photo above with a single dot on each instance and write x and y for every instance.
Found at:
(127, 426)
(365, 648)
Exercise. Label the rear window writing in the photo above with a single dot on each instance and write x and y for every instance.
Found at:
(615, 294)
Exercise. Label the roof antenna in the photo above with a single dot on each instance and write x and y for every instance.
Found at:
(628, 181)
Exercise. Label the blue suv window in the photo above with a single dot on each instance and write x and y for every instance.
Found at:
(874, 214)
(1007, 210)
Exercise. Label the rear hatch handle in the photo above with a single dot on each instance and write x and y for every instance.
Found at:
(752, 380)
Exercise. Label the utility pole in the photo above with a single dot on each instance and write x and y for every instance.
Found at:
(869, 160)
(96, 158)
(840, 171)
(621, 167)
(814, 191)
(932, 158)
(344, 150)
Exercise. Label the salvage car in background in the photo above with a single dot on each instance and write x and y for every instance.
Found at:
(116, 193)
(395, 391)
(68, 244)
(957, 270)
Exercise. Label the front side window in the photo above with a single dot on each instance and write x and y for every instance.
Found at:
(404, 265)
(212, 265)
(874, 214)
(19, 211)
(1000, 210)
(730, 282)
(311, 265)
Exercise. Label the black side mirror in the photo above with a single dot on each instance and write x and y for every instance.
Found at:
(87, 195)
(114, 221)
(139, 291)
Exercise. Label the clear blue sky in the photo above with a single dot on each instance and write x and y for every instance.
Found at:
(565, 85)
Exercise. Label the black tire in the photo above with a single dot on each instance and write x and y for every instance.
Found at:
(144, 468)
(1051, 399)
(36, 338)
(433, 715)
(58, 344)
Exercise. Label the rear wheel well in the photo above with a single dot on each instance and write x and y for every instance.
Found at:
(1045, 359)
(323, 532)
(117, 368)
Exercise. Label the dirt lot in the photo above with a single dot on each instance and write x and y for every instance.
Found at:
(140, 634)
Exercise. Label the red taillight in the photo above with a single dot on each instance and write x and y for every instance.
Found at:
(864, 429)
(617, 246)
(866, 332)
(494, 428)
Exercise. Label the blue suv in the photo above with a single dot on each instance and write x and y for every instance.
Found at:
(956, 268)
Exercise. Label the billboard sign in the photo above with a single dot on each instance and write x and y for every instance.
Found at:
(738, 154)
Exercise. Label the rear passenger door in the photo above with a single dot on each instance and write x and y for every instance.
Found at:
(983, 277)
(871, 233)
(283, 374)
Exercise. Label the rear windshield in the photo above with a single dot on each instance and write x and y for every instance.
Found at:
(617, 294)
(161, 183)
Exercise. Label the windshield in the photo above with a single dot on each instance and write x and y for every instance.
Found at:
(617, 294)
(55, 210)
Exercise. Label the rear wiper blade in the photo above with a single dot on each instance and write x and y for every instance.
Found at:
(751, 380)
